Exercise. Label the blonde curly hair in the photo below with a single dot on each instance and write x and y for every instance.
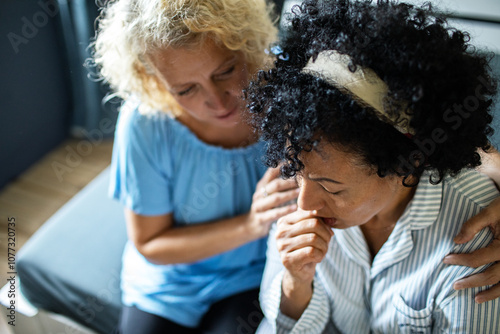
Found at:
(130, 30)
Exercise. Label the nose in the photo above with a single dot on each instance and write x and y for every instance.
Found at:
(310, 196)
(216, 97)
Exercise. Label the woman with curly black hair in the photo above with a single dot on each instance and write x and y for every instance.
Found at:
(378, 110)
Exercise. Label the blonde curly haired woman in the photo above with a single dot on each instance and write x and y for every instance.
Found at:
(185, 165)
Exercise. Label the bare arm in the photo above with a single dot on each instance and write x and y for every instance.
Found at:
(161, 242)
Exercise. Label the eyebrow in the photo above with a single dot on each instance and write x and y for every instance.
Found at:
(323, 179)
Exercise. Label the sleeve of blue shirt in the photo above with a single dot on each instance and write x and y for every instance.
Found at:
(139, 173)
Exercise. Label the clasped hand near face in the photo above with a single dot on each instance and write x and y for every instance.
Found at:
(302, 239)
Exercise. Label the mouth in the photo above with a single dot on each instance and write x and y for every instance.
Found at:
(228, 114)
(332, 222)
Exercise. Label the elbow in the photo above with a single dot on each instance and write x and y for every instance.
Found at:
(149, 251)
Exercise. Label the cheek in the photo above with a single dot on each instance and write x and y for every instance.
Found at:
(191, 106)
(375, 199)
(239, 82)
(244, 78)
(359, 209)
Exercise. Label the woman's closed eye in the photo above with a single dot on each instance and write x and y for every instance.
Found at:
(225, 73)
(220, 76)
(186, 91)
(330, 192)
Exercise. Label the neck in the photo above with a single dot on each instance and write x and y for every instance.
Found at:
(379, 228)
(239, 135)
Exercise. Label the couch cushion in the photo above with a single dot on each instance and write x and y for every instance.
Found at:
(72, 264)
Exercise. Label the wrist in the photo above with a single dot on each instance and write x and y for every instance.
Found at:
(253, 230)
(294, 285)
(250, 230)
(296, 295)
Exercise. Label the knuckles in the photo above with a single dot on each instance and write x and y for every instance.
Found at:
(314, 223)
(490, 278)
(313, 238)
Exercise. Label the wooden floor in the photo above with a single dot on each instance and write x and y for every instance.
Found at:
(40, 191)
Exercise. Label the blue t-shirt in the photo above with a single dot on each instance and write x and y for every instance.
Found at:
(159, 166)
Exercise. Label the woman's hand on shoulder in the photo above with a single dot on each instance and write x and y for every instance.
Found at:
(273, 198)
(488, 217)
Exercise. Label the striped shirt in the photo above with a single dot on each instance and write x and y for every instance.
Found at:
(407, 288)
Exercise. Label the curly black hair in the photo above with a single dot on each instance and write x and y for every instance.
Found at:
(445, 83)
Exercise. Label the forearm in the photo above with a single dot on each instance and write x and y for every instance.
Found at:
(295, 296)
(196, 242)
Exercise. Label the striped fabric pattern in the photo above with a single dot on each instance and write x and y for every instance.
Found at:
(407, 288)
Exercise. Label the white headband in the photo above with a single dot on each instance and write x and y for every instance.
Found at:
(363, 84)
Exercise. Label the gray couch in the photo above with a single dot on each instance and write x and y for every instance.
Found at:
(71, 265)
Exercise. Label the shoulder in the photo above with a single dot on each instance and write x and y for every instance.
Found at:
(133, 114)
(137, 123)
(472, 186)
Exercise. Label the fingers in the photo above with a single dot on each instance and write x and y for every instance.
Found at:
(278, 185)
(269, 175)
(271, 183)
(302, 240)
(271, 215)
(272, 192)
(295, 261)
(275, 199)
(303, 222)
(309, 241)
(274, 186)
(296, 217)
(477, 258)
(269, 207)
(299, 231)
(490, 216)
(486, 296)
(488, 277)
(261, 187)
